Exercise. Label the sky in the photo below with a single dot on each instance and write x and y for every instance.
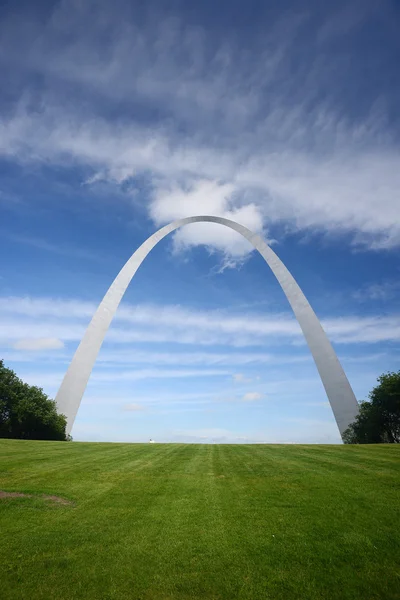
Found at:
(117, 118)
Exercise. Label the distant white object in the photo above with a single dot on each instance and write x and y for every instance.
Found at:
(151, 441)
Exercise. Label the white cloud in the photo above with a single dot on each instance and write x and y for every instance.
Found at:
(239, 378)
(206, 198)
(133, 407)
(133, 356)
(201, 197)
(377, 291)
(369, 329)
(53, 379)
(334, 193)
(23, 318)
(252, 396)
(43, 244)
(39, 344)
(138, 374)
(232, 137)
(50, 307)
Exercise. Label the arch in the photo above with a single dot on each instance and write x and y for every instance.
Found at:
(340, 394)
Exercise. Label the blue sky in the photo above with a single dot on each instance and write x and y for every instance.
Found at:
(116, 118)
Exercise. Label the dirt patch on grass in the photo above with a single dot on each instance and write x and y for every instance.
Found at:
(54, 499)
(12, 495)
(57, 500)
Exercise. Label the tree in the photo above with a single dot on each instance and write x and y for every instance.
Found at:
(26, 412)
(379, 418)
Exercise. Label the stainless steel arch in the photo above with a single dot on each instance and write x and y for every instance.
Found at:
(340, 394)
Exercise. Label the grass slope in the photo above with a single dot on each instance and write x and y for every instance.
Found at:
(199, 521)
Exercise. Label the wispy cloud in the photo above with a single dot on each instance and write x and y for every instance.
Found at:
(63, 250)
(39, 344)
(135, 375)
(252, 396)
(53, 379)
(377, 291)
(240, 378)
(23, 318)
(238, 131)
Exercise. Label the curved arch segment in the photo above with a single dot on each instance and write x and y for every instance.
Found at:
(340, 394)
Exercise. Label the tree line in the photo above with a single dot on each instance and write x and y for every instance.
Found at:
(378, 421)
(27, 413)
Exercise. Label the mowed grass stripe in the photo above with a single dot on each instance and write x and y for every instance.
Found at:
(200, 521)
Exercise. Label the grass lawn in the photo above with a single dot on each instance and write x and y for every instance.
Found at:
(179, 521)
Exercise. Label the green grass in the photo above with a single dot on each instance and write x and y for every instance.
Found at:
(199, 521)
